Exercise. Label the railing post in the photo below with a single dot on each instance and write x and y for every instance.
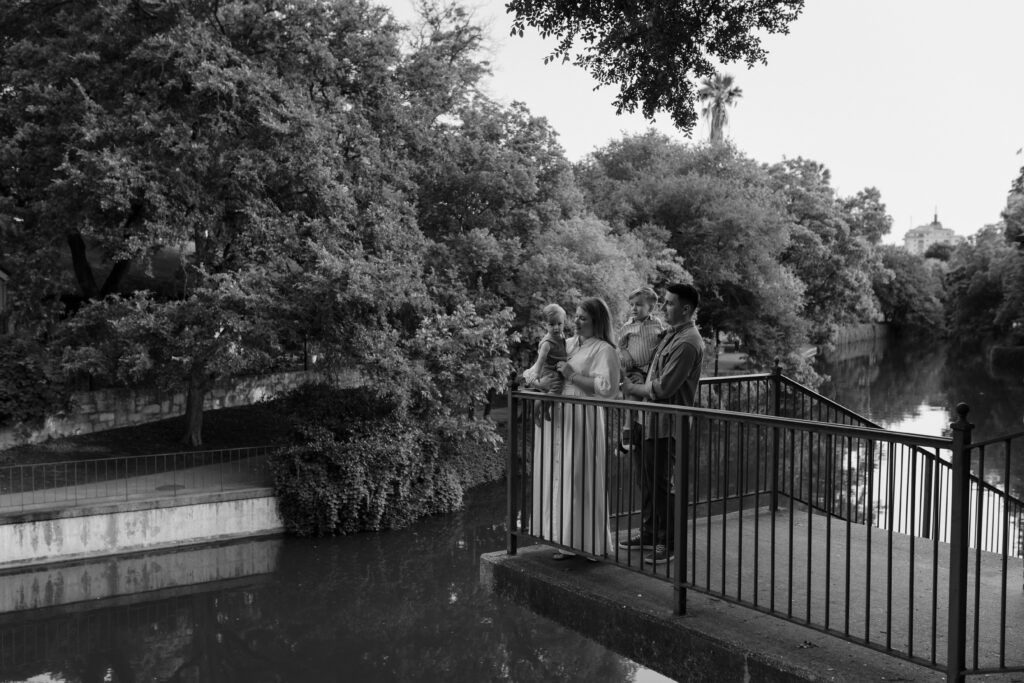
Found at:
(510, 477)
(776, 379)
(956, 628)
(681, 482)
(927, 502)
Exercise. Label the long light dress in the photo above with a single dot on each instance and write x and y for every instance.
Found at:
(569, 457)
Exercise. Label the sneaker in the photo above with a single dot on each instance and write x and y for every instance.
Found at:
(626, 440)
(661, 554)
(637, 541)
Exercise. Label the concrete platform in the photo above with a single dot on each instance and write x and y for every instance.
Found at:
(715, 641)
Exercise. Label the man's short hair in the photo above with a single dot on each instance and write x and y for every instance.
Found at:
(646, 293)
(686, 293)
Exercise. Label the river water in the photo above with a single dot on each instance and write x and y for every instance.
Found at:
(910, 386)
(914, 387)
(407, 605)
(395, 606)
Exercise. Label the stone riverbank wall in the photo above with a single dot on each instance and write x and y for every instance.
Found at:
(71, 533)
(95, 411)
(855, 334)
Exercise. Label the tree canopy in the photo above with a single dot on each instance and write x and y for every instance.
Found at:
(654, 51)
(227, 183)
(268, 147)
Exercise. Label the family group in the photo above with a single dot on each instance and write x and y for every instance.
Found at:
(650, 359)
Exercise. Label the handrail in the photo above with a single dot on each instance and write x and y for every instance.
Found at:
(807, 391)
(998, 439)
(50, 485)
(853, 431)
(168, 454)
(777, 473)
(838, 407)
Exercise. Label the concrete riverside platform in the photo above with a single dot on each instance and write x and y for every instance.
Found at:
(714, 641)
(874, 585)
(60, 585)
(133, 514)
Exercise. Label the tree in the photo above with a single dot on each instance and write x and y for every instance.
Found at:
(866, 215)
(718, 93)
(832, 260)
(582, 257)
(984, 282)
(724, 220)
(909, 292)
(236, 134)
(1013, 214)
(488, 189)
(218, 330)
(940, 251)
(654, 50)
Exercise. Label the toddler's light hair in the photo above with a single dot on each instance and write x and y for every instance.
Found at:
(645, 294)
(553, 314)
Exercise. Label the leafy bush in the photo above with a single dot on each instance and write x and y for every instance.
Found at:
(29, 389)
(359, 462)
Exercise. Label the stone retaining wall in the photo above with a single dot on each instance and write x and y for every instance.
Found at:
(96, 411)
(125, 527)
(852, 334)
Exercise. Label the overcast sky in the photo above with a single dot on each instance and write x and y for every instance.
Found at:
(919, 98)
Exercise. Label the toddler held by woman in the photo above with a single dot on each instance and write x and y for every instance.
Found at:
(543, 375)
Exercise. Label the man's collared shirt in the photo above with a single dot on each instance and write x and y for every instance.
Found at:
(675, 370)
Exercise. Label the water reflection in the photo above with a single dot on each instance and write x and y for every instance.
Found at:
(914, 387)
(398, 606)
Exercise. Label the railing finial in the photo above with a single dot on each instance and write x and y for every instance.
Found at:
(961, 423)
(777, 369)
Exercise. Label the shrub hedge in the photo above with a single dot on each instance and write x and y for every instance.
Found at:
(29, 388)
(359, 463)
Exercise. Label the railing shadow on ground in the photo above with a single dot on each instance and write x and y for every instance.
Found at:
(91, 481)
(792, 505)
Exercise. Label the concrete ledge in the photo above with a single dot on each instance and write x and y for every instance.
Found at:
(57, 585)
(715, 641)
(144, 501)
(125, 527)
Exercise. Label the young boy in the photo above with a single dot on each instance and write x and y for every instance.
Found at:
(543, 375)
(639, 336)
(638, 340)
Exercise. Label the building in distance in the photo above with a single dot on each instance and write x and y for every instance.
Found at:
(919, 239)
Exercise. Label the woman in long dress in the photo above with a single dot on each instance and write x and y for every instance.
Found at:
(569, 483)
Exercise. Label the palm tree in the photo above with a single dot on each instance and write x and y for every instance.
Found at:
(718, 93)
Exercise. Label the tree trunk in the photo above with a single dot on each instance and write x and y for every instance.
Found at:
(83, 271)
(197, 386)
(112, 284)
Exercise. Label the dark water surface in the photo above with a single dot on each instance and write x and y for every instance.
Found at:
(394, 606)
(915, 387)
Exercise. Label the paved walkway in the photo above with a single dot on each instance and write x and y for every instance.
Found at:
(887, 590)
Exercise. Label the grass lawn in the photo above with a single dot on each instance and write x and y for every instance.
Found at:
(255, 425)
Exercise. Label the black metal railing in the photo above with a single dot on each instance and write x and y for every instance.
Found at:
(787, 503)
(77, 482)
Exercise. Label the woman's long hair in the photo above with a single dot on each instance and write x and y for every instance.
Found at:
(598, 311)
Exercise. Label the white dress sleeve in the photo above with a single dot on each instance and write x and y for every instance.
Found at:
(605, 371)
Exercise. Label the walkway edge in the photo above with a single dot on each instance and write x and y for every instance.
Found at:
(715, 641)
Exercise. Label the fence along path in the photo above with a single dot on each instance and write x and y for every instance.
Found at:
(76, 483)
